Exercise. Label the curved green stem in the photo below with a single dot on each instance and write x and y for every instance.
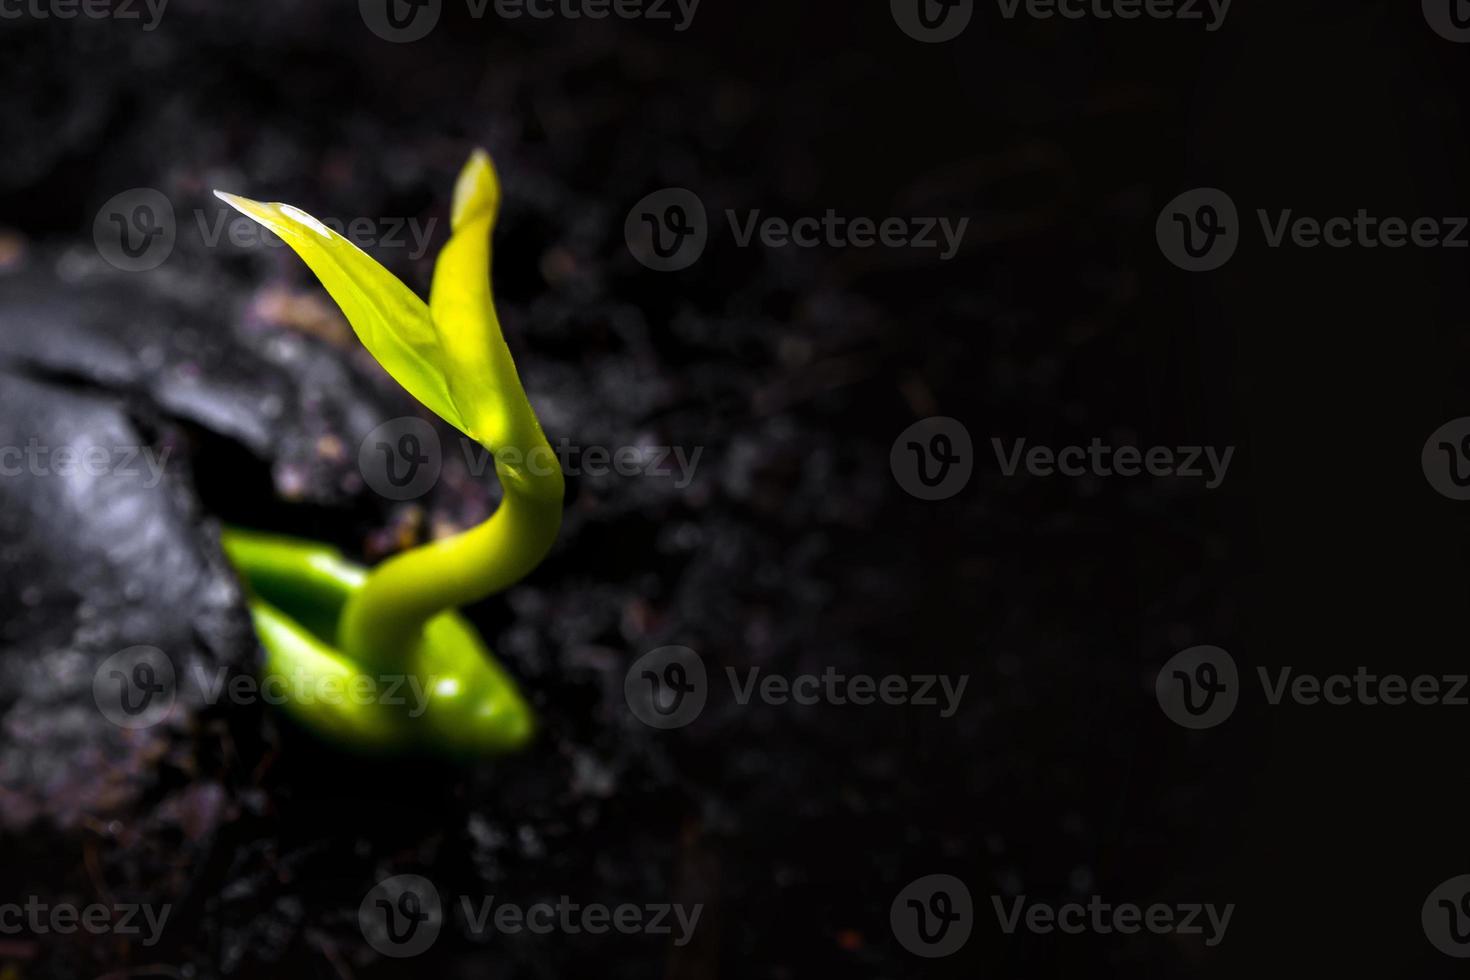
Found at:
(384, 620)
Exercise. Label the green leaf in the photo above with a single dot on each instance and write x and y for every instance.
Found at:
(483, 382)
(449, 354)
(392, 323)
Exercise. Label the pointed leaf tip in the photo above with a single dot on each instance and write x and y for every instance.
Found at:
(476, 191)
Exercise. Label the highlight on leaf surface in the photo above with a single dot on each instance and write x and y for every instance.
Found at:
(323, 617)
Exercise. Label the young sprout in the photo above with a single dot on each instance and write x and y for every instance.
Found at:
(327, 624)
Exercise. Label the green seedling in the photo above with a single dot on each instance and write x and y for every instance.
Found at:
(330, 625)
